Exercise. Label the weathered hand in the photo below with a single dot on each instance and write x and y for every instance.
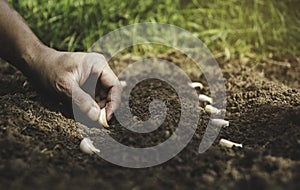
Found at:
(63, 72)
(66, 73)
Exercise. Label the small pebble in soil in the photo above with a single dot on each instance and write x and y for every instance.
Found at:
(86, 146)
(205, 98)
(25, 84)
(220, 122)
(229, 144)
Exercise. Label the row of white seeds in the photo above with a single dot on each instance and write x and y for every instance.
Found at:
(213, 110)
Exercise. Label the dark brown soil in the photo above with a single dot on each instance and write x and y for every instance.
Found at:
(40, 143)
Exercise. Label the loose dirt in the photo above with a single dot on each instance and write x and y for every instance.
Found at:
(40, 142)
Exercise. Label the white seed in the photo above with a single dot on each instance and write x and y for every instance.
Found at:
(220, 122)
(123, 83)
(229, 144)
(196, 85)
(102, 118)
(86, 146)
(205, 98)
(211, 109)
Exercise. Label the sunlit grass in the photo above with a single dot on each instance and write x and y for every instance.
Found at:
(261, 27)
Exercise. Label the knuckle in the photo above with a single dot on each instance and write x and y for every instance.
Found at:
(62, 85)
(99, 58)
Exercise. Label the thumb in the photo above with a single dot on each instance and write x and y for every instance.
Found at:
(85, 103)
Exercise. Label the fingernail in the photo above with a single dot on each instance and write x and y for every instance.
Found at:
(93, 114)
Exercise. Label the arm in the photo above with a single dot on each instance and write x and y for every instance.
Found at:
(17, 42)
(61, 72)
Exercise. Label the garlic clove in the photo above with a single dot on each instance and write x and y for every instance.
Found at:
(211, 109)
(196, 85)
(220, 122)
(102, 118)
(86, 146)
(229, 144)
(205, 98)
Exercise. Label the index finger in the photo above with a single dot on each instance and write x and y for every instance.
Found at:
(111, 82)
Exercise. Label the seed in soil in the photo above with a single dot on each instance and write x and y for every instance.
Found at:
(204, 98)
(220, 122)
(196, 85)
(211, 109)
(229, 144)
(86, 146)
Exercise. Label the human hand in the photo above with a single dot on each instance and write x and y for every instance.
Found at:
(62, 72)
(66, 73)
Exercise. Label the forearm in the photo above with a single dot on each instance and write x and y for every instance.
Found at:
(18, 44)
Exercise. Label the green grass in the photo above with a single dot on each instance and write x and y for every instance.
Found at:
(261, 27)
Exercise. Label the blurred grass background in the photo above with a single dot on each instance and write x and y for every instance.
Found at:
(255, 27)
